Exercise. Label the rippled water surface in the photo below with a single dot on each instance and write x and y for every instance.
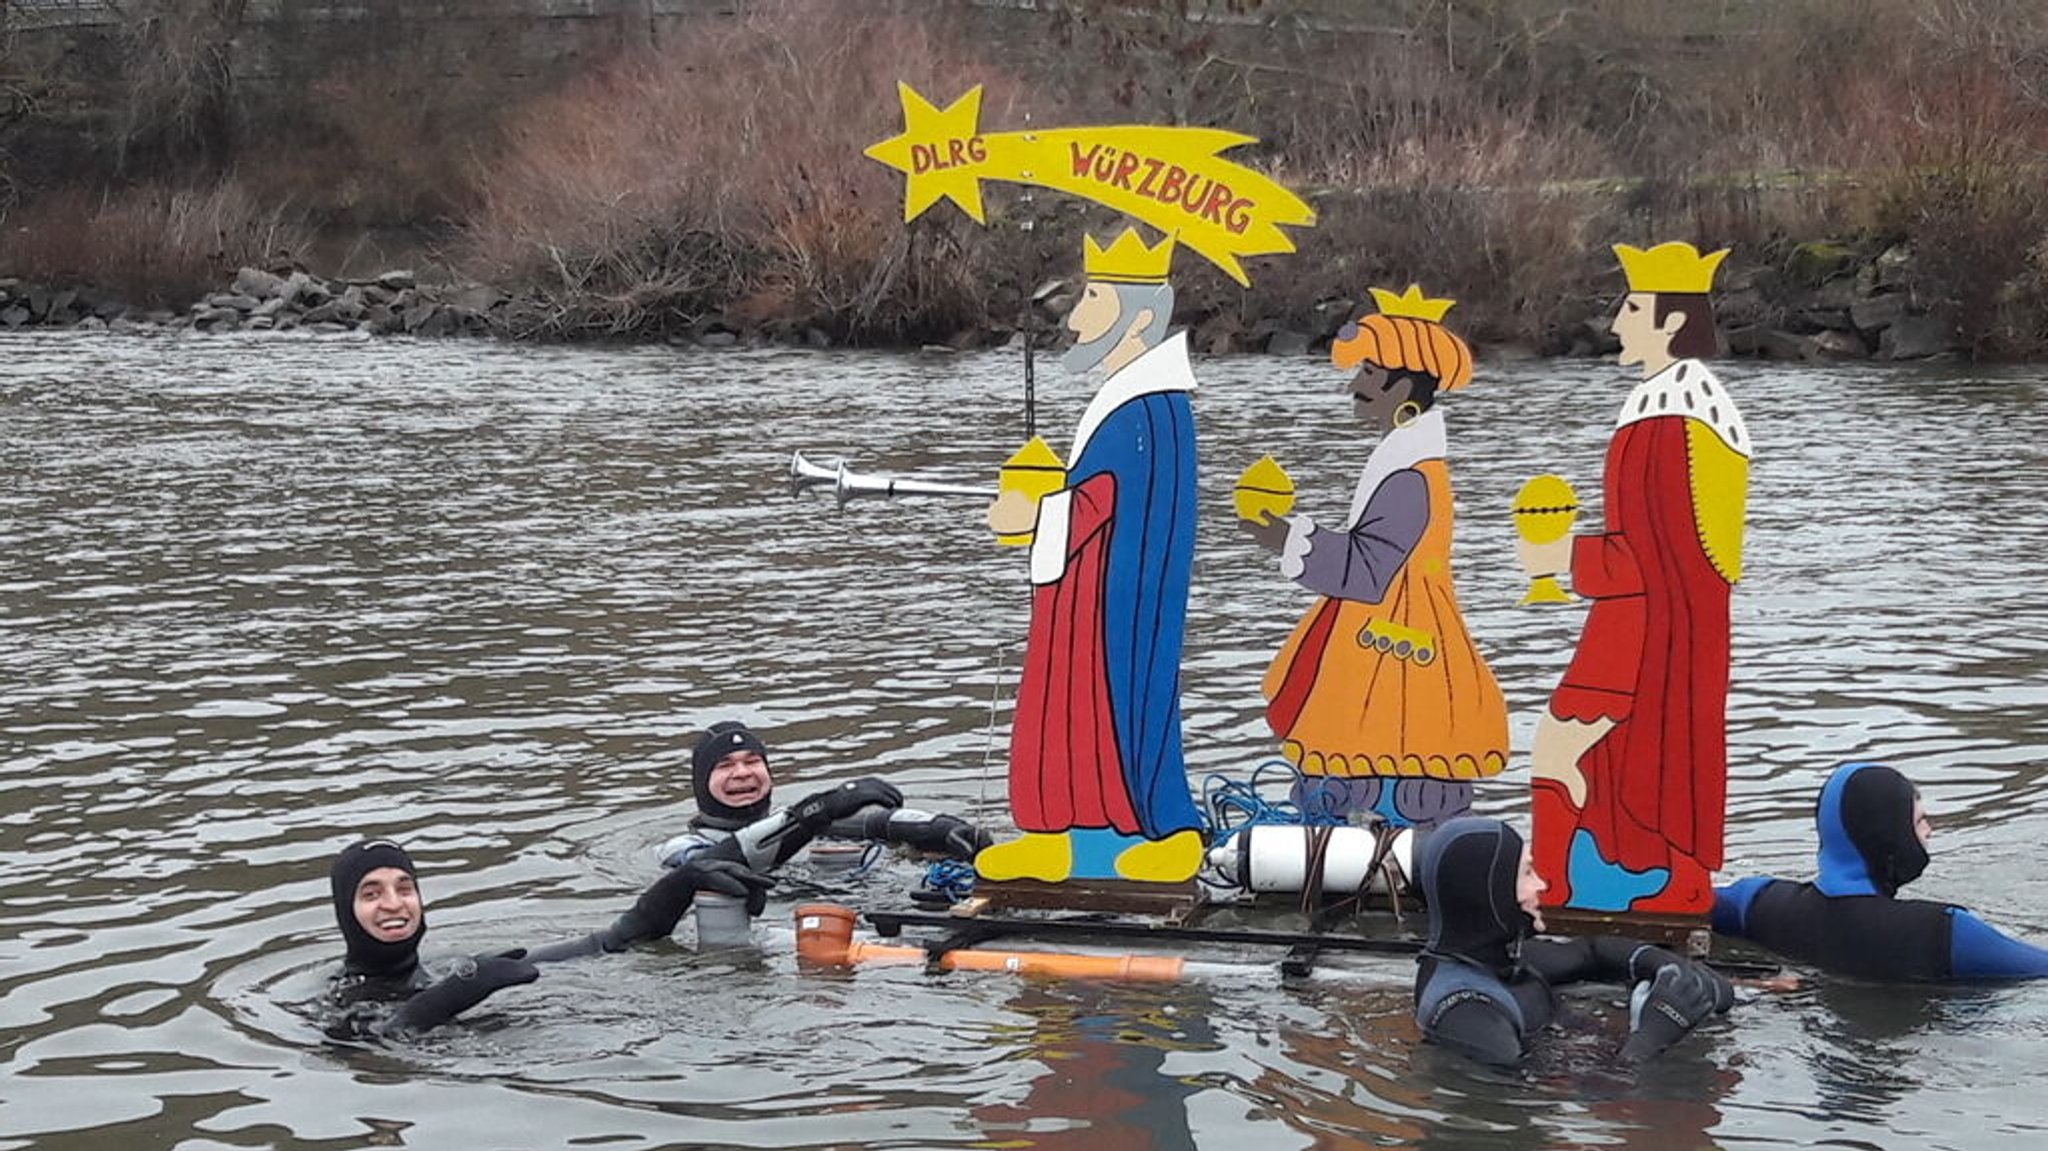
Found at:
(259, 596)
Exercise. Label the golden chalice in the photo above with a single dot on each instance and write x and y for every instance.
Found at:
(1545, 510)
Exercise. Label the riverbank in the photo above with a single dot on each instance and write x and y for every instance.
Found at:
(1832, 302)
(1876, 168)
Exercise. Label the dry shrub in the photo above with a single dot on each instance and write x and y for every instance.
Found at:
(379, 149)
(180, 80)
(727, 170)
(1925, 123)
(390, 110)
(150, 245)
(2020, 327)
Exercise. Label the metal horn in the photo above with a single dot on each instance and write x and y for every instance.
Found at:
(848, 484)
(805, 475)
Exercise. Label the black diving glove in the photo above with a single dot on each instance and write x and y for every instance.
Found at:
(472, 983)
(729, 878)
(944, 835)
(1663, 1010)
(819, 811)
(931, 834)
(1724, 991)
(655, 914)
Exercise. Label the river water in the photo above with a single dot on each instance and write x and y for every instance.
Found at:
(261, 595)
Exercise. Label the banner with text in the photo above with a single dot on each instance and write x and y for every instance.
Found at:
(1171, 178)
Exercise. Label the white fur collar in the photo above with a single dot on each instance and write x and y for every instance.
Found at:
(1687, 388)
(1160, 369)
(1404, 447)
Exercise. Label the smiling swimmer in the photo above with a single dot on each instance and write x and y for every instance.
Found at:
(729, 773)
(384, 990)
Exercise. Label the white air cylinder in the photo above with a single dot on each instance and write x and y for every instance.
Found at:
(1276, 858)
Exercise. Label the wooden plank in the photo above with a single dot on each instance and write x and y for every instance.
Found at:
(1686, 934)
(1174, 902)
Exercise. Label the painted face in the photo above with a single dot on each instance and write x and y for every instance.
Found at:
(1921, 827)
(1635, 325)
(1094, 325)
(388, 905)
(1529, 889)
(1375, 397)
(740, 778)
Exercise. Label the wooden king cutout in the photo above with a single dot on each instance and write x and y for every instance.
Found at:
(1629, 765)
(1379, 695)
(1098, 786)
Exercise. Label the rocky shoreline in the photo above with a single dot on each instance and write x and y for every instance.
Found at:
(1828, 303)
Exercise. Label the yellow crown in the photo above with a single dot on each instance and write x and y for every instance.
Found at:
(1127, 260)
(1411, 303)
(1673, 267)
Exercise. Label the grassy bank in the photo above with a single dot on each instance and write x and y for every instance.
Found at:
(714, 177)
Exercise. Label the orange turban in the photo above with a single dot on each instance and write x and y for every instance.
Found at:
(1398, 342)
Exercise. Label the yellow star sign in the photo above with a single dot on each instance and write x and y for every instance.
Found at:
(1169, 177)
(939, 151)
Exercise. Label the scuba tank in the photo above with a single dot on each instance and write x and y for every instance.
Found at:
(1292, 858)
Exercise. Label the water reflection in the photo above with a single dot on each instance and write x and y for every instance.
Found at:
(260, 595)
(1103, 1055)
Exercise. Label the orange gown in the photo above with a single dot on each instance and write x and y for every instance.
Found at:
(1380, 677)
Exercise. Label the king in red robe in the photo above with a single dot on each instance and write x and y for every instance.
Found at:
(1635, 823)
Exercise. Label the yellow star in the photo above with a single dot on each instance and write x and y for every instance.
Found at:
(936, 150)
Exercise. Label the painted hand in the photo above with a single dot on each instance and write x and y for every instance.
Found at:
(1545, 559)
(1268, 531)
(1012, 514)
(1559, 745)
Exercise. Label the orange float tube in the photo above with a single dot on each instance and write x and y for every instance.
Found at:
(824, 937)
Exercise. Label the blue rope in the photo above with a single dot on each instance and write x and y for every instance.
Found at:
(1234, 805)
(952, 878)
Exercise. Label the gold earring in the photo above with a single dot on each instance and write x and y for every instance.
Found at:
(1407, 412)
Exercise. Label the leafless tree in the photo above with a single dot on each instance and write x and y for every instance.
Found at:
(180, 73)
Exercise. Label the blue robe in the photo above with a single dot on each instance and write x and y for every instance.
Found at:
(1097, 738)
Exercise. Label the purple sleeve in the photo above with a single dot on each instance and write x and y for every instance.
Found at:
(1361, 564)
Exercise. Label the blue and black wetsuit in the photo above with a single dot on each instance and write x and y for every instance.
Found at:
(1481, 990)
(1849, 920)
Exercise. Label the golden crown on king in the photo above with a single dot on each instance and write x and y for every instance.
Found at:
(1673, 267)
(1127, 260)
(1411, 304)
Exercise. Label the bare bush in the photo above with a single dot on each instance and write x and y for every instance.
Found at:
(150, 245)
(725, 171)
(180, 79)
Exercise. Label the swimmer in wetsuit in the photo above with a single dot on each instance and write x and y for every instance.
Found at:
(729, 773)
(1849, 919)
(385, 991)
(1485, 990)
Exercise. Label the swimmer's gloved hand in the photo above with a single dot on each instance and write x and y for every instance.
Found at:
(474, 981)
(820, 811)
(933, 834)
(730, 878)
(1663, 1010)
(655, 914)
